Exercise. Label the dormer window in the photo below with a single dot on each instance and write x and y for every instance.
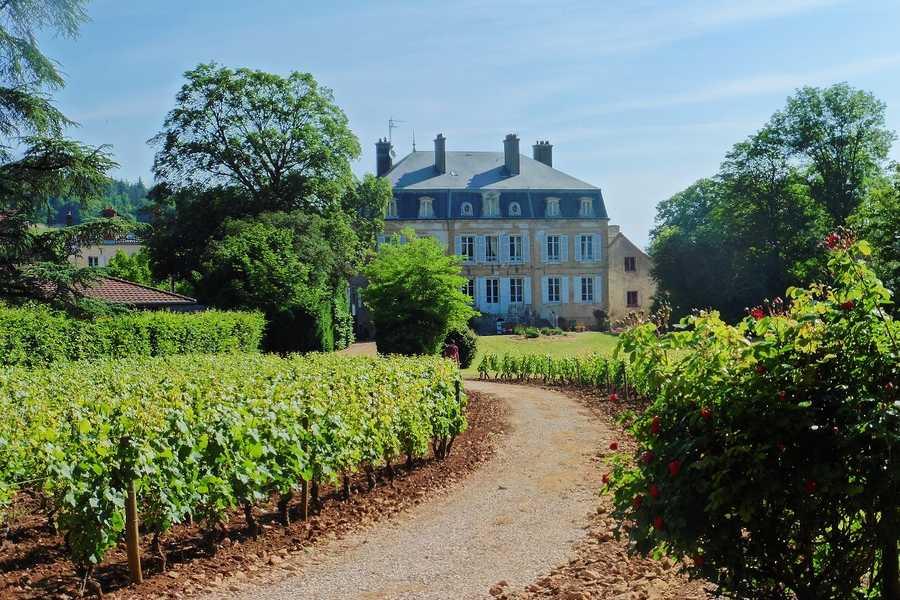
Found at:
(426, 207)
(587, 208)
(552, 208)
(392, 209)
(466, 209)
(515, 210)
(491, 205)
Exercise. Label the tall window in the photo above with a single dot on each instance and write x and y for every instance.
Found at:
(467, 247)
(392, 209)
(469, 288)
(426, 208)
(630, 264)
(515, 248)
(491, 205)
(552, 247)
(553, 289)
(466, 209)
(586, 243)
(491, 248)
(586, 208)
(552, 209)
(515, 210)
(631, 299)
(587, 290)
(515, 291)
(493, 291)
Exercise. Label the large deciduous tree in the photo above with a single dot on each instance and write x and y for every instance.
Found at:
(752, 230)
(37, 163)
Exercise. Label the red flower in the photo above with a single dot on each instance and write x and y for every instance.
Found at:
(647, 457)
(832, 240)
(614, 446)
(782, 394)
(699, 560)
(605, 478)
(760, 368)
(658, 523)
(848, 305)
(706, 413)
(674, 468)
(655, 424)
(889, 386)
(757, 313)
(653, 490)
(809, 486)
(614, 397)
(638, 500)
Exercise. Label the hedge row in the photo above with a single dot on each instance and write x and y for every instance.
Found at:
(37, 336)
(202, 434)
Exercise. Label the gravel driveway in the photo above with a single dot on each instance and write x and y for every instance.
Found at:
(516, 517)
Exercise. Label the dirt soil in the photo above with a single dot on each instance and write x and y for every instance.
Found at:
(33, 562)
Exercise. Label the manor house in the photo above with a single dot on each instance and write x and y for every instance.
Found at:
(536, 242)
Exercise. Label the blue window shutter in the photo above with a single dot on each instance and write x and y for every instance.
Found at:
(458, 244)
(504, 294)
(526, 290)
(563, 290)
(563, 248)
(480, 293)
(479, 248)
(576, 288)
(526, 248)
(542, 240)
(504, 248)
(598, 289)
(578, 255)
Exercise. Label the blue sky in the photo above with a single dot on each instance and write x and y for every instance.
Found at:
(640, 98)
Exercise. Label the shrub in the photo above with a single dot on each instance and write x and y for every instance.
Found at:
(467, 342)
(519, 329)
(35, 336)
(532, 332)
(774, 464)
(602, 320)
(415, 295)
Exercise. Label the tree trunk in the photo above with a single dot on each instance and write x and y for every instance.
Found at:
(346, 486)
(890, 557)
(370, 477)
(252, 527)
(156, 548)
(314, 493)
(284, 501)
(304, 500)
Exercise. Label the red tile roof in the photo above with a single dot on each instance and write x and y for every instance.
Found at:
(120, 291)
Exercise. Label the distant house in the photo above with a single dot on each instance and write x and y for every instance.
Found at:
(535, 242)
(135, 295)
(98, 255)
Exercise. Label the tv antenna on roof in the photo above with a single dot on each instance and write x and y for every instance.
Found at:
(392, 125)
(414, 140)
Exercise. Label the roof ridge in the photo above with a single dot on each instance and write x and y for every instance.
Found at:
(147, 287)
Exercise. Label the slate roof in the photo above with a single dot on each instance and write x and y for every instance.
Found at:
(120, 291)
(479, 170)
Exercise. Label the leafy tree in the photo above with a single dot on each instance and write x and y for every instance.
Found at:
(281, 140)
(772, 466)
(839, 134)
(415, 295)
(878, 220)
(34, 263)
(366, 202)
(134, 268)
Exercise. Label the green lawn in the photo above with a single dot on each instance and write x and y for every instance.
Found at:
(571, 344)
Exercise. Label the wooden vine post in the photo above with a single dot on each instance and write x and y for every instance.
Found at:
(132, 536)
(458, 393)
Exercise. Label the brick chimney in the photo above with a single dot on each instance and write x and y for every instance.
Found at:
(543, 152)
(511, 154)
(383, 159)
(440, 153)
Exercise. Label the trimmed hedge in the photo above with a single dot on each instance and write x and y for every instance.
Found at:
(37, 336)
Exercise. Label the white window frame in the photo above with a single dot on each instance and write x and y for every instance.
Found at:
(516, 296)
(426, 207)
(515, 209)
(93, 261)
(487, 248)
(392, 209)
(586, 208)
(586, 242)
(467, 257)
(550, 289)
(552, 208)
(469, 288)
(490, 204)
(489, 283)
(558, 246)
(516, 242)
(466, 209)
(587, 298)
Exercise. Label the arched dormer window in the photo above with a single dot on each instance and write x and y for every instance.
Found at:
(515, 210)
(552, 207)
(466, 209)
(392, 209)
(491, 204)
(586, 207)
(426, 207)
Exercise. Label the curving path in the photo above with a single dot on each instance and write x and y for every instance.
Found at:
(513, 519)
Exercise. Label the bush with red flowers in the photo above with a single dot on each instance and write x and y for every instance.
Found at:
(769, 454)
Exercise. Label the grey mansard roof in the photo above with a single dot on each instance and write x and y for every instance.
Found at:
(479, 170)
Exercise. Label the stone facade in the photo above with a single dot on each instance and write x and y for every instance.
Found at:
(98, 255)
(629, 276)
(536, 242)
